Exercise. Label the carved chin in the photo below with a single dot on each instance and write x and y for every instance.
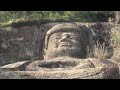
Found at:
(63, 51)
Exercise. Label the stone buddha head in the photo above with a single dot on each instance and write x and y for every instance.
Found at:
(67, 40)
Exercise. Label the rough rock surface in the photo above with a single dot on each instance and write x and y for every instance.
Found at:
(26, 42)
(60, 68)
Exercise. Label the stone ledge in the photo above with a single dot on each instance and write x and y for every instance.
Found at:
(92, 73)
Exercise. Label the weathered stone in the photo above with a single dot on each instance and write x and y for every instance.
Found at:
(117, 17)
(65, 57)
(26, 42)
(61, 69)
(67, 40)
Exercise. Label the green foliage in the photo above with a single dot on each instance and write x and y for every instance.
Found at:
(7, 17)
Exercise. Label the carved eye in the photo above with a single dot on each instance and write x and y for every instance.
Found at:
(55, 38)
(73, 36)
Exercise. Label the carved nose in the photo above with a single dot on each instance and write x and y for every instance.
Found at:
(64, 37)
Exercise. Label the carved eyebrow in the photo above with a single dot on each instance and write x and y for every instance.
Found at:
(66, 33)
(70, 35)
(54, 37)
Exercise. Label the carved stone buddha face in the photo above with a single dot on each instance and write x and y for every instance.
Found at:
(64, 44)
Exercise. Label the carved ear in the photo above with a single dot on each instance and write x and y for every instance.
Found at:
(44, 52)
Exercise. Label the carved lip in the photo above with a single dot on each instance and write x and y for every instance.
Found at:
(66, 44)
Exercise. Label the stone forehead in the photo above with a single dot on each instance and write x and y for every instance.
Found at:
(65, 27)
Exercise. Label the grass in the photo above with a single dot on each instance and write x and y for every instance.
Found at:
(8, 17)
(99, 52)
(115, 38)
(115, 41)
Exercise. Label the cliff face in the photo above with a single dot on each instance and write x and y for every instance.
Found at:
(26, 42)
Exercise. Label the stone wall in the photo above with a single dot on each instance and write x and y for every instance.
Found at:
(26, 42)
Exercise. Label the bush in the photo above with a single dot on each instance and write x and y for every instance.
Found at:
(76, 16)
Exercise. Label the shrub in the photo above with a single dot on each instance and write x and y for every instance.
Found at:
(76, 16)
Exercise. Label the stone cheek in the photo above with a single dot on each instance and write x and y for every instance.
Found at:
(61, 69)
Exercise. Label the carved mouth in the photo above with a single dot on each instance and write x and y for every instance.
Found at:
(64, 44)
